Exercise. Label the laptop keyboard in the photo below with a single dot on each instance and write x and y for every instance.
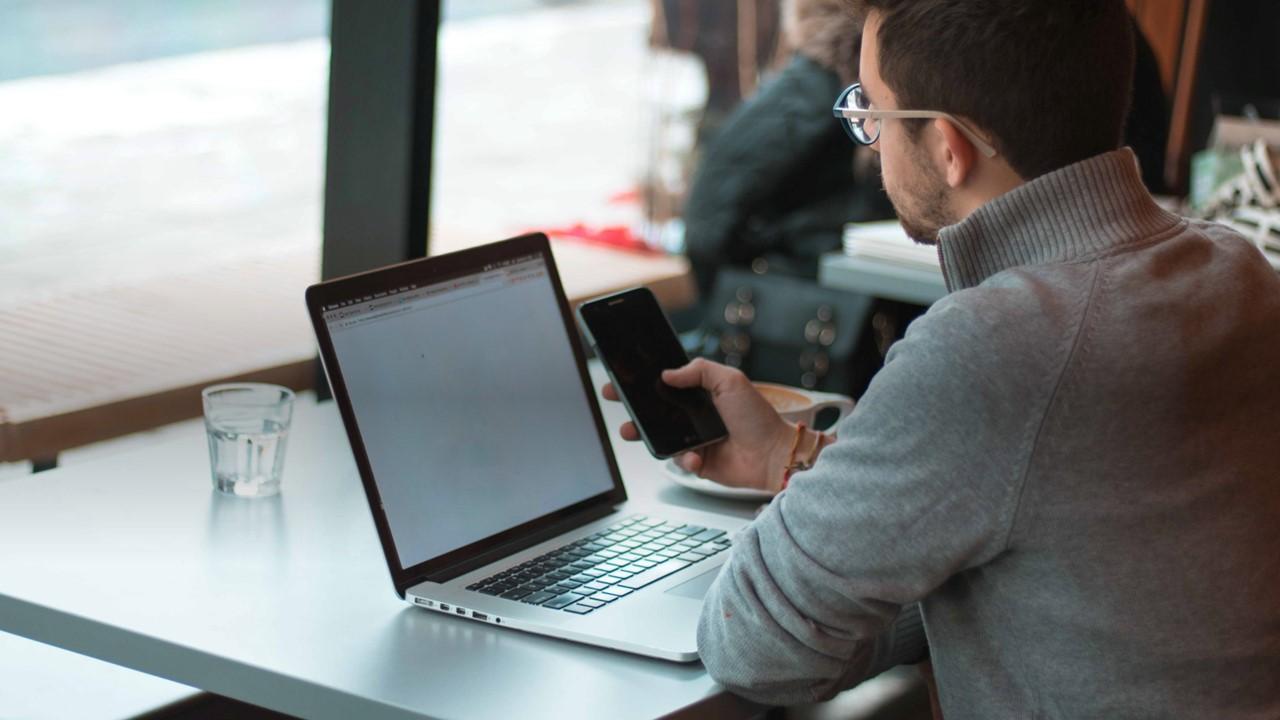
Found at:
(599, 569)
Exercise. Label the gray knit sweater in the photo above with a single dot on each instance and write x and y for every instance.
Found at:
(1072, 462)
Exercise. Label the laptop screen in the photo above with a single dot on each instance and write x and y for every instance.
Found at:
(469, 403)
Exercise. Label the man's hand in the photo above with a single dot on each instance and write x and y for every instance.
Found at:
(759, 441)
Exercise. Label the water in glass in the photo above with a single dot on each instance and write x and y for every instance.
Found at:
(247, 455)
(248, 426)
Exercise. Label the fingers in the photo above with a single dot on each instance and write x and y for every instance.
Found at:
(704, 373)
(628, 431)
(690, 375)
(691, 462)
(610, 392)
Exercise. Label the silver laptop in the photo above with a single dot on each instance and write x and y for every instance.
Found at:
(486, 462)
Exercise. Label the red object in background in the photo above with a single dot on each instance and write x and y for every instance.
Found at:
(614, 236)
(626, 197)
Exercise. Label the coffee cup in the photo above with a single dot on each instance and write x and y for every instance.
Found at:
(798, 405)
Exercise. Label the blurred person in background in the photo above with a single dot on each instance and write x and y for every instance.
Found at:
(780, 179)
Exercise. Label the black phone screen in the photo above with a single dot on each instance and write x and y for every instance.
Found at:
(636, 343)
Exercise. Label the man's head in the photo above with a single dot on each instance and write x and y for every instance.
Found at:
(1047, 82)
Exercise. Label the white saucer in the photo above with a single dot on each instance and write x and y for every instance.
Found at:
(679, 476)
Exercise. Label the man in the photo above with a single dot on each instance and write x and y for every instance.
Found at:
(1072, 462)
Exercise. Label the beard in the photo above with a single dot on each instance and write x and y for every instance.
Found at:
(922, 202)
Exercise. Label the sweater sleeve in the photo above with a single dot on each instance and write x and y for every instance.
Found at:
(922, 485)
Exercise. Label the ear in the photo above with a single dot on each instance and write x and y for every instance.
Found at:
(958, 154)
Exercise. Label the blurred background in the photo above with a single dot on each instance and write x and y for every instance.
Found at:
(144, 137)
(175, 172)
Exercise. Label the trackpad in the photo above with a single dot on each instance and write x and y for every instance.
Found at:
(696, 587)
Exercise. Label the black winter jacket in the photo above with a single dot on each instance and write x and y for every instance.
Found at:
(777, 180)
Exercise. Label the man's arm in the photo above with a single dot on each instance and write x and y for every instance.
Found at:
(921, 485)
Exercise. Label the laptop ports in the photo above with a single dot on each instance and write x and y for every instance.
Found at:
(479, 616)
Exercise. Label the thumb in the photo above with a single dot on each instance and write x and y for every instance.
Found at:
(699, 373)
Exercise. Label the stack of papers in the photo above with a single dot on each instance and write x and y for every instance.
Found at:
(887, 242)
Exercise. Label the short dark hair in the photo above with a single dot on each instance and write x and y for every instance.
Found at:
(1049, 80)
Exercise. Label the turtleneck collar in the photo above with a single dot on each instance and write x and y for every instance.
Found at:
(1085, 208)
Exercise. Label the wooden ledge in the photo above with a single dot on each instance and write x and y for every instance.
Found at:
(112, 361)
(116, 360)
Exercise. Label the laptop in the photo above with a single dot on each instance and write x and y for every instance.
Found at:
(486, 462)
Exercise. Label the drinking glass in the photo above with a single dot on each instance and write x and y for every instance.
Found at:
(248, 427)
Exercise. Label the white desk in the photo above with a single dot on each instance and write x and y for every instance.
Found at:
(286, 603)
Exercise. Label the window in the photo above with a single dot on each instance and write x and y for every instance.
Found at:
(551, 115)
(146, 138)
(160, 205)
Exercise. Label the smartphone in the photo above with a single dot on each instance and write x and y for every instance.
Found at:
(634, 340)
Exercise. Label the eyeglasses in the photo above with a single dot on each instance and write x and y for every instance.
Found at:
(863, 124)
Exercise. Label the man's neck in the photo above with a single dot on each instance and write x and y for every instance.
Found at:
(989, 180)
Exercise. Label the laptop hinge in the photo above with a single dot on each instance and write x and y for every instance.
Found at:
(515, 546)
